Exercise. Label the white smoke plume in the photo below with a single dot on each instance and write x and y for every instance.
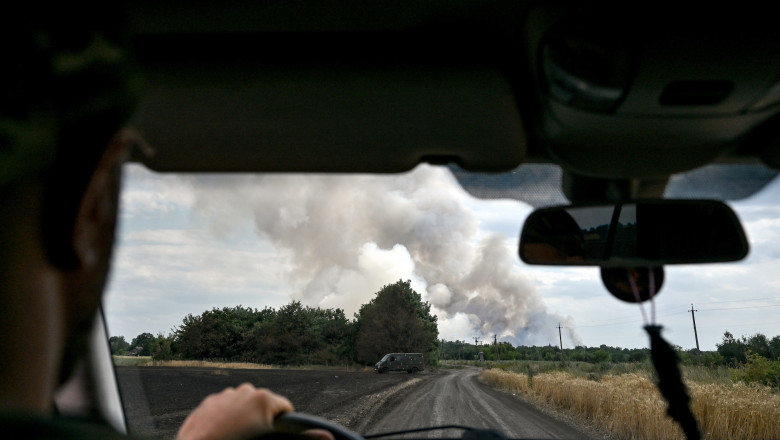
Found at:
(347, 236)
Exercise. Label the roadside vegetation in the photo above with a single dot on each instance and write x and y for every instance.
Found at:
(622, 399)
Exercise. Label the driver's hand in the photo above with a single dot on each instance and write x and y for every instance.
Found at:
(238, 413)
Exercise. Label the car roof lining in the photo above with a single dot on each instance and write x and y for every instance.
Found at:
(383, 86)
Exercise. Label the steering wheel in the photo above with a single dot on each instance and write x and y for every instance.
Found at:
(295, 423)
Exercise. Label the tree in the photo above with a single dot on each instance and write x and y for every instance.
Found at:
(732, 350)
(216, 333)
(118, 345)
(162, 349)
(774, 347)
(601, 355)
(336, 337)
(146, 342)
(711, 358)
(292, 337)
(396, 320)
(759, 344)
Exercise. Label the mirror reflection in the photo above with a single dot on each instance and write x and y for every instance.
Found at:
(648, 233)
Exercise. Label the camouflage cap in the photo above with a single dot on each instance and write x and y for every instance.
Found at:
(62, 68)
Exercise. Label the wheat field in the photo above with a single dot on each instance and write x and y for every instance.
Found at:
(630, 407)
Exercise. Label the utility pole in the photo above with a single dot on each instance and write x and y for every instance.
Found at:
(695, 334)
(476, 342)
(498, 349)
(560, 338)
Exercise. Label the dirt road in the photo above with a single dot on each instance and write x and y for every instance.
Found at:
(158, 399)
(459, 398)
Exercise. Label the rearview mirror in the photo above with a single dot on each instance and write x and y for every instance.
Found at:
(642, 233)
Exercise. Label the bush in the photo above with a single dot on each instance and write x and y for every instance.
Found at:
(759, 369)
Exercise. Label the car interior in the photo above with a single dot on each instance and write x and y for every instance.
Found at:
(644, 110)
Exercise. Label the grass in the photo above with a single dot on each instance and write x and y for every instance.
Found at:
(131, 360)
(629, 406)
(146, 361)
(210, 364)
(701, 375)
(594, 371)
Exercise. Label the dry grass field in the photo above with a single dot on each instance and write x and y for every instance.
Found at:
(146, 361)
(126, 361)
(209, 364)
(630, 407)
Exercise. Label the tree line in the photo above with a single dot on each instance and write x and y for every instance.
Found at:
(738, 350)
(504, 351)
(395, 320)
(730, 351)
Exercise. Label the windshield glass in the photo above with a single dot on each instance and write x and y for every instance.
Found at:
(281, 275)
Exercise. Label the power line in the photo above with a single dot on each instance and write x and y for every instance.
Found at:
(600, 321)
(633, 321)
(740, 308)
(741, 300)
(754, 324)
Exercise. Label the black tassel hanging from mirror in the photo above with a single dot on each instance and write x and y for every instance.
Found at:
(670, 383)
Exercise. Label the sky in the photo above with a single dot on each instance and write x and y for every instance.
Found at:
(188, 243)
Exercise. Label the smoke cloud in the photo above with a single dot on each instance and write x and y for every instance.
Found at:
(344, 237)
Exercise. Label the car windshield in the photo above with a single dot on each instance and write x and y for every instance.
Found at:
(279, 279)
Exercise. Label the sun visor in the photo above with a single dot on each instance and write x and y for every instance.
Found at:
(327, 118)
(318, 86)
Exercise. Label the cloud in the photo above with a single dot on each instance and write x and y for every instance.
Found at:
(145, 193)
(349, 235)
(160, 275)
(192, 242)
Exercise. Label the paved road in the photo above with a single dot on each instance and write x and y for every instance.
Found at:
(459, 398)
